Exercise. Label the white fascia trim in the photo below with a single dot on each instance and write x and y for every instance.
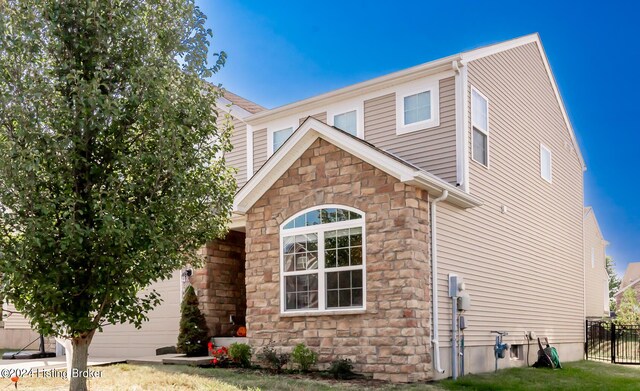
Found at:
(355, 90)
(500, 47)
(311, 130)
(227, 106)
(436, 187)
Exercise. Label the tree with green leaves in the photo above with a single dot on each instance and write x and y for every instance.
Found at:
(112, 170)
(628, 312)
(614, 281)
(194, 333)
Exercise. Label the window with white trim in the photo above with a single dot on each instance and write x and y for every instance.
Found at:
(347, 121)
(323, 260)
(593, 257)
(545, 163)
(280, 136)
(417, 107)
(480, 128)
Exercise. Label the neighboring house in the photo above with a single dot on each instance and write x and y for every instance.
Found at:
(595, 268)
(357, 204)
(630, 280)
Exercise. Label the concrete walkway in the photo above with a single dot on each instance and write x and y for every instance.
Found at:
(60, 362)
(54, 363)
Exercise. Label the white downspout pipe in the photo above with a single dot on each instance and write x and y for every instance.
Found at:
(434, 282)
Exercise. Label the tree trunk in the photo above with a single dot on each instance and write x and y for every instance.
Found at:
(78, 380)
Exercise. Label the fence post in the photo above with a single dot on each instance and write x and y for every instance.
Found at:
(613, 343)
(586, 340)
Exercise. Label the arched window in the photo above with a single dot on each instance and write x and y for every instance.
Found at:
(322, 260)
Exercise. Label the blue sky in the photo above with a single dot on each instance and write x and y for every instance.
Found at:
(283, 51)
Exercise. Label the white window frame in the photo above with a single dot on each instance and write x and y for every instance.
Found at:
(321, 271)
(277, 126)
(593, 257)
(357, 106)
(431, 85)
(486, 131)
(544, 148)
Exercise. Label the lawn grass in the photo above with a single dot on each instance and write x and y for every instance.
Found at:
(582, 376)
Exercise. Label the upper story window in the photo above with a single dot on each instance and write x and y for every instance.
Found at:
(417, 106)
(323, 260)
(280, 136)
(593, 257)
(480, 128)
(347, 121)
(545, 163)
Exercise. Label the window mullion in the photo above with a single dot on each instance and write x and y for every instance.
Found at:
(321, 273)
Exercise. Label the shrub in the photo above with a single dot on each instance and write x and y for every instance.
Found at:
(274, 360)
(304, 357)
(342, 369)
(193, 336)
(241, 354)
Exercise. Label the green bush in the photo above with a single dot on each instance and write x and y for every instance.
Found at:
(194, 333)
(304, 357)
(241, 354)
(275, 361)
(342, 368)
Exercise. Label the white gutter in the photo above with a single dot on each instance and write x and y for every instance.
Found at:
(434, 282)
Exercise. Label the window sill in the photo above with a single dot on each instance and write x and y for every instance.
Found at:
(358, 311)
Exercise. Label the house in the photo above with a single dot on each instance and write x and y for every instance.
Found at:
(595, 268)
(630, 280)
(358, 208)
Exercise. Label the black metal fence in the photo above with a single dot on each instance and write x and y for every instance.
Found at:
(610, 342)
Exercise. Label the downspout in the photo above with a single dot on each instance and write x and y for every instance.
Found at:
(434, 282)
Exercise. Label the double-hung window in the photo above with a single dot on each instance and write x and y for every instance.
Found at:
(323, 260)
(480, 128)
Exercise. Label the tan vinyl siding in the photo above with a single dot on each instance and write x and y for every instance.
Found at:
(524, 268)
(259, 148)
(322, 117)
(432, 149)
(15, 320)
(596, 279)
(237, 158)
(161, 330)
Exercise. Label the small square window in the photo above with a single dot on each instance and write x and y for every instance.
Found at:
(347, 121)
(417, 107)
(280, 136)
(545, 163)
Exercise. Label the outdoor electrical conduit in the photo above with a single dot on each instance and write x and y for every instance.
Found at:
(434, 281)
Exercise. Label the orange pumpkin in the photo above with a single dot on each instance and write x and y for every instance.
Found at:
(242, 331)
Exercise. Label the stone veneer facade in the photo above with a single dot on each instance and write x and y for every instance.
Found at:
(220, 283)
(391, 339)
